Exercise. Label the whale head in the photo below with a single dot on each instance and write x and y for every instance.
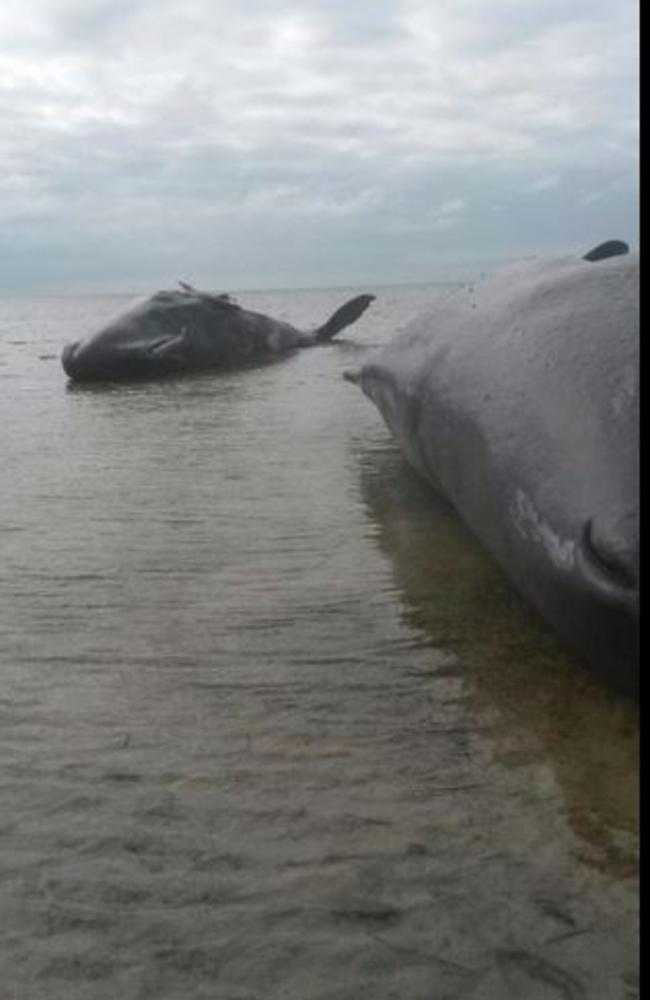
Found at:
(156, 335)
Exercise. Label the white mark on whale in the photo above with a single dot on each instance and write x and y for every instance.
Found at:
(530, 524)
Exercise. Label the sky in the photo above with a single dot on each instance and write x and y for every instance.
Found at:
(276, 144)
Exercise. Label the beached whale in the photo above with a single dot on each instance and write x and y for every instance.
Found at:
(517, 398)
(188, 330)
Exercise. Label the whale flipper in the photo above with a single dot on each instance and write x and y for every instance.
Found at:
(610, 248)
(170, 347)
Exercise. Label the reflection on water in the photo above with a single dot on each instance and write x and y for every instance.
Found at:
(541, 701)
(271, 727)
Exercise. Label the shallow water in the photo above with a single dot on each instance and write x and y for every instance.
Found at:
(272, 724)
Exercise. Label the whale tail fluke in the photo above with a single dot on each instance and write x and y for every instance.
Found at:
(347, 314)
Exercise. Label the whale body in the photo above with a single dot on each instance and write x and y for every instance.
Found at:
(517, 398)
(187, 330)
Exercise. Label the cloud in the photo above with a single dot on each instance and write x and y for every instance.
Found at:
(142, 113)
(591, 198)
(446, 215)
(547, 183)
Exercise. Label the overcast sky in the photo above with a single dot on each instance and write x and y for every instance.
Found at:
(272, 143)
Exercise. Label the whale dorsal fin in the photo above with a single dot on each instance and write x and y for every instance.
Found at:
(610, 248)
(223, 300)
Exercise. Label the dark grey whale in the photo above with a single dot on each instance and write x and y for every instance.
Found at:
(188, 330)
(517, 398)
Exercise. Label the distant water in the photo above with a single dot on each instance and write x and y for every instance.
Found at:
(272, 726)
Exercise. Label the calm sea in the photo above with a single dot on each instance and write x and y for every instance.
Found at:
(271, 725)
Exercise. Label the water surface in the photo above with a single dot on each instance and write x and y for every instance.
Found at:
(272, 724)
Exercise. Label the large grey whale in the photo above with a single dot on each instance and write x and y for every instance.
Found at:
(188, 330)
(517, 398)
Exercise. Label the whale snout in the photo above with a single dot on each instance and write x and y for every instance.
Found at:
(68, 358)
(89, 361)
(83, 362)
